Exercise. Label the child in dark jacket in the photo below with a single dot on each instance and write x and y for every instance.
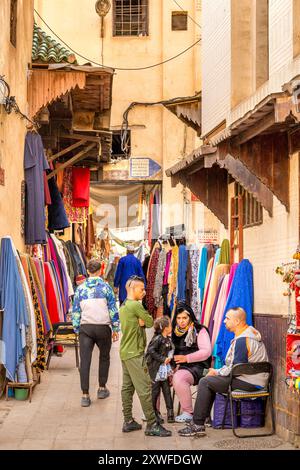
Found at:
(160, 351)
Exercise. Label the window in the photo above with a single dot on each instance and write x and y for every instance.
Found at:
(179, 20)
(130, 18)
(116, 149)
(252, 209)
(13, 21)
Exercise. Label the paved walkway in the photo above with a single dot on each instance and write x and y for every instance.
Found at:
(55, 420)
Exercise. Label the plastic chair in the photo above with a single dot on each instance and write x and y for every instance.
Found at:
(250, 369)
(63, 335)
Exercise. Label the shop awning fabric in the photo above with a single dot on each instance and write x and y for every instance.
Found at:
(206, 175)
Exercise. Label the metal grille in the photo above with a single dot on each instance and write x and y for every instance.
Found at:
(253, 211)
(130, 18)
(13, 21)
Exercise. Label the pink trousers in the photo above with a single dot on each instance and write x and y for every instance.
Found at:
(182, 382)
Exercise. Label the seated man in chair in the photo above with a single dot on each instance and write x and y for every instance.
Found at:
(246, 347)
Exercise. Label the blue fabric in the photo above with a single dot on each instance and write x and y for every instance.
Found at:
(217, 258)
(21, 373)
(15, 318)
(128, 266)
(240, 295)
(202, 272)
(182, 270)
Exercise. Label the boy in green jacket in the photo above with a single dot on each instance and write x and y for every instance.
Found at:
(134, 318)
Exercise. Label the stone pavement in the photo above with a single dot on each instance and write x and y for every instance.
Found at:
(55, 420)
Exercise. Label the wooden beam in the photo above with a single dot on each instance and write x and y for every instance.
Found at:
(86, 137)
(66, 150)
(258, 128)
(72, 160)
(249, 181)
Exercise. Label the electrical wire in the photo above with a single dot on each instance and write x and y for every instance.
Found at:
(125, 145)
(11, 104)
(109, 66)
(190, 17)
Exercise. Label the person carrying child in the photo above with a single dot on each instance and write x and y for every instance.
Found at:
(158, 357)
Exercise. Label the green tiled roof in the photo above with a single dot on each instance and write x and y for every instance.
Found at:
(47, 50)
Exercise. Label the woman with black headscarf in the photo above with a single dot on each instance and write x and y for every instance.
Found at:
(192, 355)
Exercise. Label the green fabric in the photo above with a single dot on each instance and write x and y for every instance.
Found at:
(133, 342)
(225, 252)
(136, 378)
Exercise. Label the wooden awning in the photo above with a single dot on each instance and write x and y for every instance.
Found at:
(92, 87)
(206, 175)
(188, 110)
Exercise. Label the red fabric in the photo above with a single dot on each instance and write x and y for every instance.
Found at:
(151, 202)
(81, 187)
(47, 191)
(51, 295)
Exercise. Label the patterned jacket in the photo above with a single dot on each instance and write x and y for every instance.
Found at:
(95, 303)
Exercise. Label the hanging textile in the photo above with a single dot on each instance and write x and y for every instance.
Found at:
(61, 254)
(15, 317)
(90, 235)
(173, 273)
(202, 273)
(231, 276)
(47, 191)
(39, 283)
(194, 256)
(158, 284)
(40, 362)
(74, 214)
(213, 310)
(30, 307)
(57, 217)
(219, 311)
(240, 295)
(182, 269)
(60, 177)
(207, 286)
(225, 252)
(151, 202)
(218, 271)
(35, 164)
(151, 282)
(81, 187)
(51, 294)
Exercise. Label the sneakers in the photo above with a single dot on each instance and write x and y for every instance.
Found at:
(183, 418)
(192, 430)
(170, 414)
(157, 430)
(131, 426)
(85, 401)
(103, 393)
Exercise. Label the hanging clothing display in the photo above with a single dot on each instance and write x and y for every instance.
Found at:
(152, 270)
(74, 214)
(81, 187)
(182, 269)
(225, 252)
(218, 271)
(241, 295)
(202, 272)
(158, 284)
(57, 217)
(35, 164)
(15, 317)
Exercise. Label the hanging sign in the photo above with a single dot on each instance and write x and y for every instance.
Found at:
(141, 167)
